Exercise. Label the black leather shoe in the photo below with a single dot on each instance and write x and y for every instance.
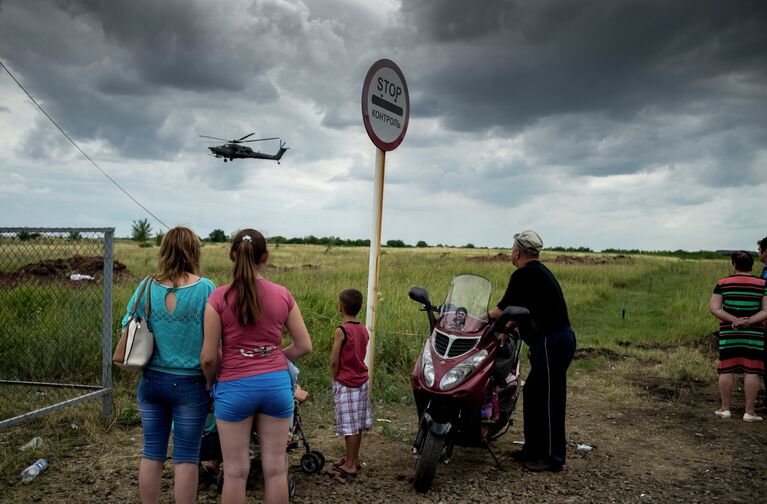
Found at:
(542, 465)
(519, 455)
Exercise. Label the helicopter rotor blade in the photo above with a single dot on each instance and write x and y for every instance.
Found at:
(261, 139)
(243, 138)
(214, 138)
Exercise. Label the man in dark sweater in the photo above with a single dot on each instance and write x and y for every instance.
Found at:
(552, 346)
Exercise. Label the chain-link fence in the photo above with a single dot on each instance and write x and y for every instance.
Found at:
(55, 319)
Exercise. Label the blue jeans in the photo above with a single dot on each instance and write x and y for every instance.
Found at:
(165, 399)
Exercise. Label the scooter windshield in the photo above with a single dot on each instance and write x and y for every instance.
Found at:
(465, 304)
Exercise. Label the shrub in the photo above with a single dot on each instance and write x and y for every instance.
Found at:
(141, 230)
(218, 236)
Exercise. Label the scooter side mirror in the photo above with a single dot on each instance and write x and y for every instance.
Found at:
(420, 295)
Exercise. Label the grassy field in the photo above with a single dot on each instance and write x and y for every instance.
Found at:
(653, 309)
(615, 302)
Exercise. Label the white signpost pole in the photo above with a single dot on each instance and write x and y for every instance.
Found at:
(385, 112)
(375, 254)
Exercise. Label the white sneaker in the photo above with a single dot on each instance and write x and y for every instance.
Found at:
(751, 418)
(725, 414)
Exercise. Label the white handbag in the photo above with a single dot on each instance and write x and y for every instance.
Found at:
(136, 344)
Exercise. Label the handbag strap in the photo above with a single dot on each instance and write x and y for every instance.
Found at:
(147, 281)
(149, 297)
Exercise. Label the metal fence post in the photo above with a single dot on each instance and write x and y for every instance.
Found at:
(106, 327)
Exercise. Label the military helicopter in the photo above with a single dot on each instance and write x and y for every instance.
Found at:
(233, 150)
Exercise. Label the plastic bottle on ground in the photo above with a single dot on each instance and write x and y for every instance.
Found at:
(34, 470)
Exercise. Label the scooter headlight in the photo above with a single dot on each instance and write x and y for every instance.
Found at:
(428, 365)
(459, 373)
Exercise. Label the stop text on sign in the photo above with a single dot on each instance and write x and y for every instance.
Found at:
(385, 104)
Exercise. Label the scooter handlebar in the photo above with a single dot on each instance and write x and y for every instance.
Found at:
(511, 314)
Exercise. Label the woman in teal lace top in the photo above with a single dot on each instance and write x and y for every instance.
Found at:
(172, 387)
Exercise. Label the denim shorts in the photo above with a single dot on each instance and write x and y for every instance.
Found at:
(166, 399)
(268, 393)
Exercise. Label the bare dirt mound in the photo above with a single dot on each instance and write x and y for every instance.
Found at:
(53, 270)
(562, 259)
(568, 259)
(500, 257)
(591, 353)
(304, 267)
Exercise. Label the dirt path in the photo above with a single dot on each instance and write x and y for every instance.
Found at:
(646, 449)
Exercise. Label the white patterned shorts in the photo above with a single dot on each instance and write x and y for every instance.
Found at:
(353, 410)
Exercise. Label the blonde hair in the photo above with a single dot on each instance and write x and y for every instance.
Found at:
(179, 255)
(248, 250)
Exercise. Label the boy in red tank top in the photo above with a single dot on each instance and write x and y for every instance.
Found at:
(350, 382)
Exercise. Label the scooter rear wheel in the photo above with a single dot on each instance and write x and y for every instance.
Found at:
(428, 459)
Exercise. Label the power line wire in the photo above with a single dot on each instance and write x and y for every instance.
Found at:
(81, 151)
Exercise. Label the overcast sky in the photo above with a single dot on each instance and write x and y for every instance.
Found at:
(609, 123)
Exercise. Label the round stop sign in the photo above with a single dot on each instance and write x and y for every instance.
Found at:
(385, 104)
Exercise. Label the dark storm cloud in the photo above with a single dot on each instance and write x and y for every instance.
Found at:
(585, 88)
(174, 43)
(600, 88)
(503, 63)
(122, 71)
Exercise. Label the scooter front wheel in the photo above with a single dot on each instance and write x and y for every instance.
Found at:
(428, 459)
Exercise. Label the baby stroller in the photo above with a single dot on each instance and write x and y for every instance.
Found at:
(312, 461)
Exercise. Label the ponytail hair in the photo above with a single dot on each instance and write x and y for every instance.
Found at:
(248, 250)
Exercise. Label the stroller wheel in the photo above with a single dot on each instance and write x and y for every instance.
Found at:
(310, 463)
(291, 486)
(321, 457)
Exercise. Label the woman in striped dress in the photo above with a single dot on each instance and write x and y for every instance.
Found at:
(740, 304)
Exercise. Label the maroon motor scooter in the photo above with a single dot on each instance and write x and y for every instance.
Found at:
(466, 380)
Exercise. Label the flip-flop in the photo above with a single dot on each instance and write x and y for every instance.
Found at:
(339, 472)
(342, 461)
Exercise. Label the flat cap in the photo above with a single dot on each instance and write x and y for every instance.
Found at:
(529, 240)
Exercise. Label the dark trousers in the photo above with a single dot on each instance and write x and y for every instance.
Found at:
(544, 396)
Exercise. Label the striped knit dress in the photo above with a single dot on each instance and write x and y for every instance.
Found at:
(741, 350)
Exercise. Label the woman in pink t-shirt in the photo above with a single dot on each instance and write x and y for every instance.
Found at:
(247, 369)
